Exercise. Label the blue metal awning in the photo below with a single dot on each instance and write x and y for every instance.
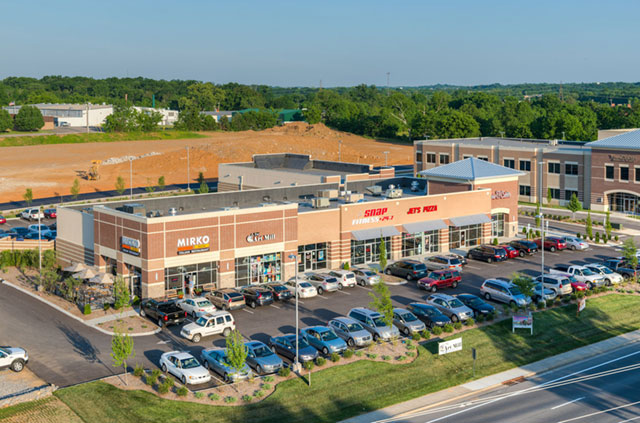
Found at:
(374, 233)
(473, 219)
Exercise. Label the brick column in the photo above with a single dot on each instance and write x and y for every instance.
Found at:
(396, 247)
(443, 237)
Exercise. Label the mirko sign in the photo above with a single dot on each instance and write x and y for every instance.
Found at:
(130, 246)
(194, 244)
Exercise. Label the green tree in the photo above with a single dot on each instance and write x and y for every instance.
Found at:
(524, 283)
(589, 225)
(6, 121)
(630, 253)
(121, 350)
(209, 123)
(204, 96)
(161, 183)
(120, 185)
(313, 114)
(236, 351)
(204, 188)
(538, 215)
(381, 302)
(121, 293)
(123, 119)
(549, 197)
(200, 178)
(574, 205)
(190, 119)
(29, 118)
(28, 196)
(150, 188)
(147, 121)
(607, 225)
(383, 254)
(75, 189)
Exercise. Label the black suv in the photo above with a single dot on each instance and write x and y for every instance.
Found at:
(488, 253)
(279, 291)
(524, 247)
(408, 269)
(257, 296)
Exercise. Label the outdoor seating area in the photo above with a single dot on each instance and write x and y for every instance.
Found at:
(96, 288)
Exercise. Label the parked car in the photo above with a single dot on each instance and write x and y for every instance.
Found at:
(185, 367)
(53, 226)
(163, 312)
(620, 266)
(443, 262)
(487, 253)
(574, 243)
(13, 358)
(350, 331)
(323, 339)
(552, 243)
(20, 231)
(503, 291)
(539, 291)
(4, 234)
(196, 307)
(373, 322)
(226, 299)
(51, 236)
(450, 306)
(509, 250)
(558, 283)
(36, 235)
(323, 282)
(610, 277)
(256, 296)
(219, 322)
(524, 247)
(345, 278)
(439, 279)
(476, 304)
(304, 288)
(581, 273)
(216, 360)
(366, 277)
(576, 285)
(32, 214)
(463, 259)
(429, 314)
(3, 220)
(407, 269)
(407, 322)
(50, 213)
(279, 291)
(286, 347)
(262, 359)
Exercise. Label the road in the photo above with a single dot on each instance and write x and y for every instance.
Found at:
(603, 389)
(596, 217)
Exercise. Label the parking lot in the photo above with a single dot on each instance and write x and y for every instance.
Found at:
(13, 223)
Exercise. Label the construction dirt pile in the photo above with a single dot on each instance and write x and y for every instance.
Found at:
(49, 170)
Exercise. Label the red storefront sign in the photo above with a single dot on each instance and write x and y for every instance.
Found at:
(423, 209)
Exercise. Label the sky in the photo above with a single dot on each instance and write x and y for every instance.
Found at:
(336, 43)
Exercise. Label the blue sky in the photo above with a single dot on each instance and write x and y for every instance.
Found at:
(299, 43)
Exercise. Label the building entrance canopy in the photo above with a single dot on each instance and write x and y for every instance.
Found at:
(426, 226)
(365, 234)
(474, 219)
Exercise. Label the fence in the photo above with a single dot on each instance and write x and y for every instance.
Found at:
(28, 244)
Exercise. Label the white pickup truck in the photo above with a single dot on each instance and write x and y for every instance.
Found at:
(581, 273)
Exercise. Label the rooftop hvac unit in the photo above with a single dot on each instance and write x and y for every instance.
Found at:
(375, 190)
(393, 192)
(354, 197)
(318, 203)
(134, 208)
(266, 204)
(154, 213)
(173, 211)
(328, 193)
(230, 208)
(415, 186)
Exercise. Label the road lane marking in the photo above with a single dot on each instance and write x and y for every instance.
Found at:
(629, 420)
(600, 412)
(274, 306)
(250, 312)
(472, 267)
(567, 403)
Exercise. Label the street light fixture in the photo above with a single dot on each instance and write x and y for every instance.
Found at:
(296, 364)
(339, 150)
(386, 155)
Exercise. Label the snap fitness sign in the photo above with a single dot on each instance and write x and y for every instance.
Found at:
(373, 216)
(194, 244)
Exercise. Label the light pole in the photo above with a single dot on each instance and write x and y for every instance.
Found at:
(296, 364)
(130, 178)
(188, 171)
(541, 216)
(339, 150)
(39, 246)
(386, 155)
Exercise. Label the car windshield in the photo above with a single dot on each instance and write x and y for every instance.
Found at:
(331, 280)
(234, 295)
(433, 275)
(278, 288)
(409, 317)
(379, 322)
(420, 267)
(328, 336)
(204, 303)
(476, 302)
(367, 273)
(201, 321)
(304, 284)
(587, 272)
(455, 303)
(454, 261)
(354, 327)
(189, 363)
(262, 351)
(606, 270)
(515, 290)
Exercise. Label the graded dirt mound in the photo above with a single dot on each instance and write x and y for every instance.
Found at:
(49, 170)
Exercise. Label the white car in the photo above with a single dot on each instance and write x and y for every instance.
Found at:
(306, 290)
(220, 322)
(185, 367)
(610, 277)
(574, 243)
(346, 278)
(13, 358)
(366, 277)
(32, 214)
(196, 307)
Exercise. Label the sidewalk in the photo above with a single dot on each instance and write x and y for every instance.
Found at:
(488, 382)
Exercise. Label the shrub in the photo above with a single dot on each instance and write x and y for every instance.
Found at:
(425, 334)
(549, 303)
(448, 328)
(266, 386)
(437, 331)
(106, 306)
(400, 357)
(578, 235)
(138, 370)
(457, 325)
(495, 241)
(163, 388)
(182, 391)
(557, 300)
(415, 336)
(151, 379)
(284, 371)
(386, 357)
(411, 347)
(410, 354)
(566, 299)
(524, 231)
(588, 293)
(514, 308)
(321, 361)
(229, 400)
(199, 395)
(470, 322)
(308, 365)
(480, 318)
(259, 393)
(359, 353)
(347, 354)
(616, 237)
(247, 398)
(268, 378)
(537, 233)
(87, 309)
(214, 397)
(335, 357)
(580, 294)
(169, 381)
(542, 304)
(506, 309)
(573, 296)
(373, 356)
(491, 316)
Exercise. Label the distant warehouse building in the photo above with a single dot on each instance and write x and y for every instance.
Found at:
(74, 115)
(169, 117)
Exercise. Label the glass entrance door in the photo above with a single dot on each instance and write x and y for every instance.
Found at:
(463, 238)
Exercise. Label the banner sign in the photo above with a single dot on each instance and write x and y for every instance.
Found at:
(450, 346)
(582, 304)
(522, 321)
(130, 246)
(192, 245)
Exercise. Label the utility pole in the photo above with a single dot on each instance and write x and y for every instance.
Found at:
(188, 171)
(87, 118)
(386, 155)
(39, 245)
(296, 364)
(131, 178)
(339, 150)
(541, 216)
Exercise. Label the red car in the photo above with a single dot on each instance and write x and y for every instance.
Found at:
(576, 285)
(552, 243)
(511, 252)
(50, 213)
(440, 279)
(2, 220)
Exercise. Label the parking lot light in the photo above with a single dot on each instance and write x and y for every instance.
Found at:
(296, 364)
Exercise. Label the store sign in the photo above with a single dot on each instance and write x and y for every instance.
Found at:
(130, 245)
(373, 216)
(194, 244)
(522, 321)
(423, 209)
(622, 159)
(450, 346)
(256, 237)
(500, 195)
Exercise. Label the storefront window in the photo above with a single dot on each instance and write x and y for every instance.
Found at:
(497, 224)
(259, 269)
(465, 236)
(420, 243)
(312, 257)
(201, 273)
(368, 251)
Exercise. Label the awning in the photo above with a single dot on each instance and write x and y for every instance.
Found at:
(427, 225)
(374, 233)
(473, 219)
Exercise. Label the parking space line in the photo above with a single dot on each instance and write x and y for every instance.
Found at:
(472, 267)
(274, 306)
(364, 287)
(345, 293)
(250, 312)
(322, 296)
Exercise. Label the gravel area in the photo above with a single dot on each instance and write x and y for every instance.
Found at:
(20, 387)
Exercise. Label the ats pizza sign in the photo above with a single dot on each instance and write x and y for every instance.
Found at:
(423, 209)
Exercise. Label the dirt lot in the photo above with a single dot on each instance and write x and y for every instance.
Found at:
(49, 170)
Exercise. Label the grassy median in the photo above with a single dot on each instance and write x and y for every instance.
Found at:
(345, 391)
(96, 137)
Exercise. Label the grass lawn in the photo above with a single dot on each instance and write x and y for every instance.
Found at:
(345, 391)
(96, 137)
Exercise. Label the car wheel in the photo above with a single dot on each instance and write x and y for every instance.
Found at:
(225, 307)
(434, 288)
(259, 370)
(351, 342)
(273, 349)
(590, 285)
(225, 377)
(552, 249)
(142, 313)
(360, 283)
(164, 368)
(320, 290)
(253, 304)
(406, 331)
(409, 277)
(17, 365)
(607, 282)
(196, 338)
(184, 379)
(512, 303)
(325, 351)
(376, 337)
(521, 253)
(454, 318)
(388, 271)
(573, 248)
(487, 296)
(340, 286)
(226, 332)
(160, 322)
(454, 285)
(206, 364)
(489, 260)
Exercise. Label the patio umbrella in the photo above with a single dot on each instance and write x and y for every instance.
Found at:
(85, 274)
(102, 278)
(74, 268)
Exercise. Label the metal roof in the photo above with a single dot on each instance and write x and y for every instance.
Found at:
(628, 140)
(470, 169)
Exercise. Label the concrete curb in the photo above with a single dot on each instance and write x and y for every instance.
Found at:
(65, 312)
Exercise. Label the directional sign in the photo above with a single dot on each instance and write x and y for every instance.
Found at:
(449, 346)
